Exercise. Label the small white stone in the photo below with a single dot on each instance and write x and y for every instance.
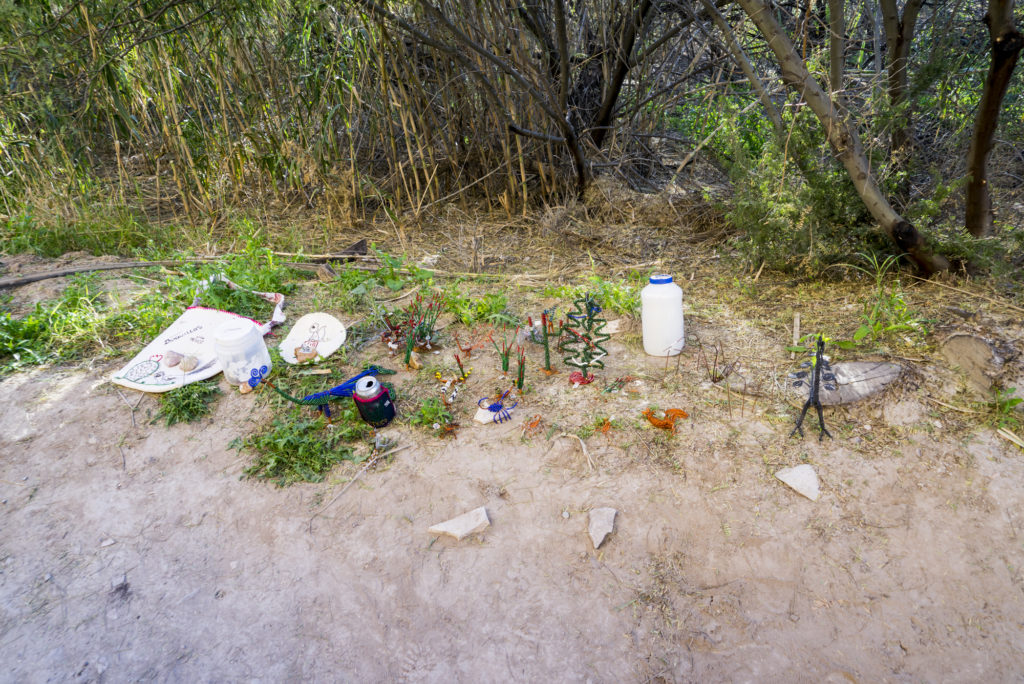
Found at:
(602, 523)
(802, 479)
(107, 542)
(466, 524)
(485, 417)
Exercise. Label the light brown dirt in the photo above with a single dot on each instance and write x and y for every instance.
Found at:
(130, 551)
(135, 552)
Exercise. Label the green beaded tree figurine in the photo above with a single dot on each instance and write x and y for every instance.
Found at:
(584, 336)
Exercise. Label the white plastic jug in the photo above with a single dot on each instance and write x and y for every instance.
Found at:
(661, 316)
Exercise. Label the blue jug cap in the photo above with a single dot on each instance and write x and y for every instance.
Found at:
(660, 279)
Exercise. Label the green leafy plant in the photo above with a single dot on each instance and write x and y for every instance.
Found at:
(887, 311)
(23, 341)
(432, 414)
(242, 302)
(296, 450)
(298, 445)
(618, 296)
(1003, 405)
(393, 273)
(601, 423)
(189, 403)
(491, 307)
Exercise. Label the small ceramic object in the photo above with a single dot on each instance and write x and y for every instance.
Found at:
(314, 337)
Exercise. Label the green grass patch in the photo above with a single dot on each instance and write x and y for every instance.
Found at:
(189, 403)
(119, 232)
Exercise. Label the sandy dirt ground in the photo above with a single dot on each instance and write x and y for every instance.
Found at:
(134, 552)
(130, 551)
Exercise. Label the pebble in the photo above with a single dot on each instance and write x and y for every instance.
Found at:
(464, 525)
(802, 479)
(602, 523)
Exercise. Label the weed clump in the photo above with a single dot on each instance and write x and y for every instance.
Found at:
(432, 415)
(619, 296)
(297, 445)
(189, 403)
(302, 449)
(23, 341)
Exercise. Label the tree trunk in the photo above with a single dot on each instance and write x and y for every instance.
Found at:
(1006, 46)
(899, 34)
(843, 138)
(836, 49)
(623, 55)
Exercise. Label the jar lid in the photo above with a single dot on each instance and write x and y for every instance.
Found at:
(234, 331)
(661, 279)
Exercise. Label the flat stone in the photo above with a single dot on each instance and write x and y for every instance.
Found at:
(802, 479)
(602, 523)
(855, 380)
(975, 358)
(466, 524)
(485, 417)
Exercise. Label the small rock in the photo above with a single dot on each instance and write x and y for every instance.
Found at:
(466, 524)
(565, 514)
(172, 359)
(602, 523)
(802, 479)
(485, 417)
(107, 542)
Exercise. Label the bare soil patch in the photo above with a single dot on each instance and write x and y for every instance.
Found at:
(131, 551)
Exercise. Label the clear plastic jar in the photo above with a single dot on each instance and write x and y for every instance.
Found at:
(241, 351)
